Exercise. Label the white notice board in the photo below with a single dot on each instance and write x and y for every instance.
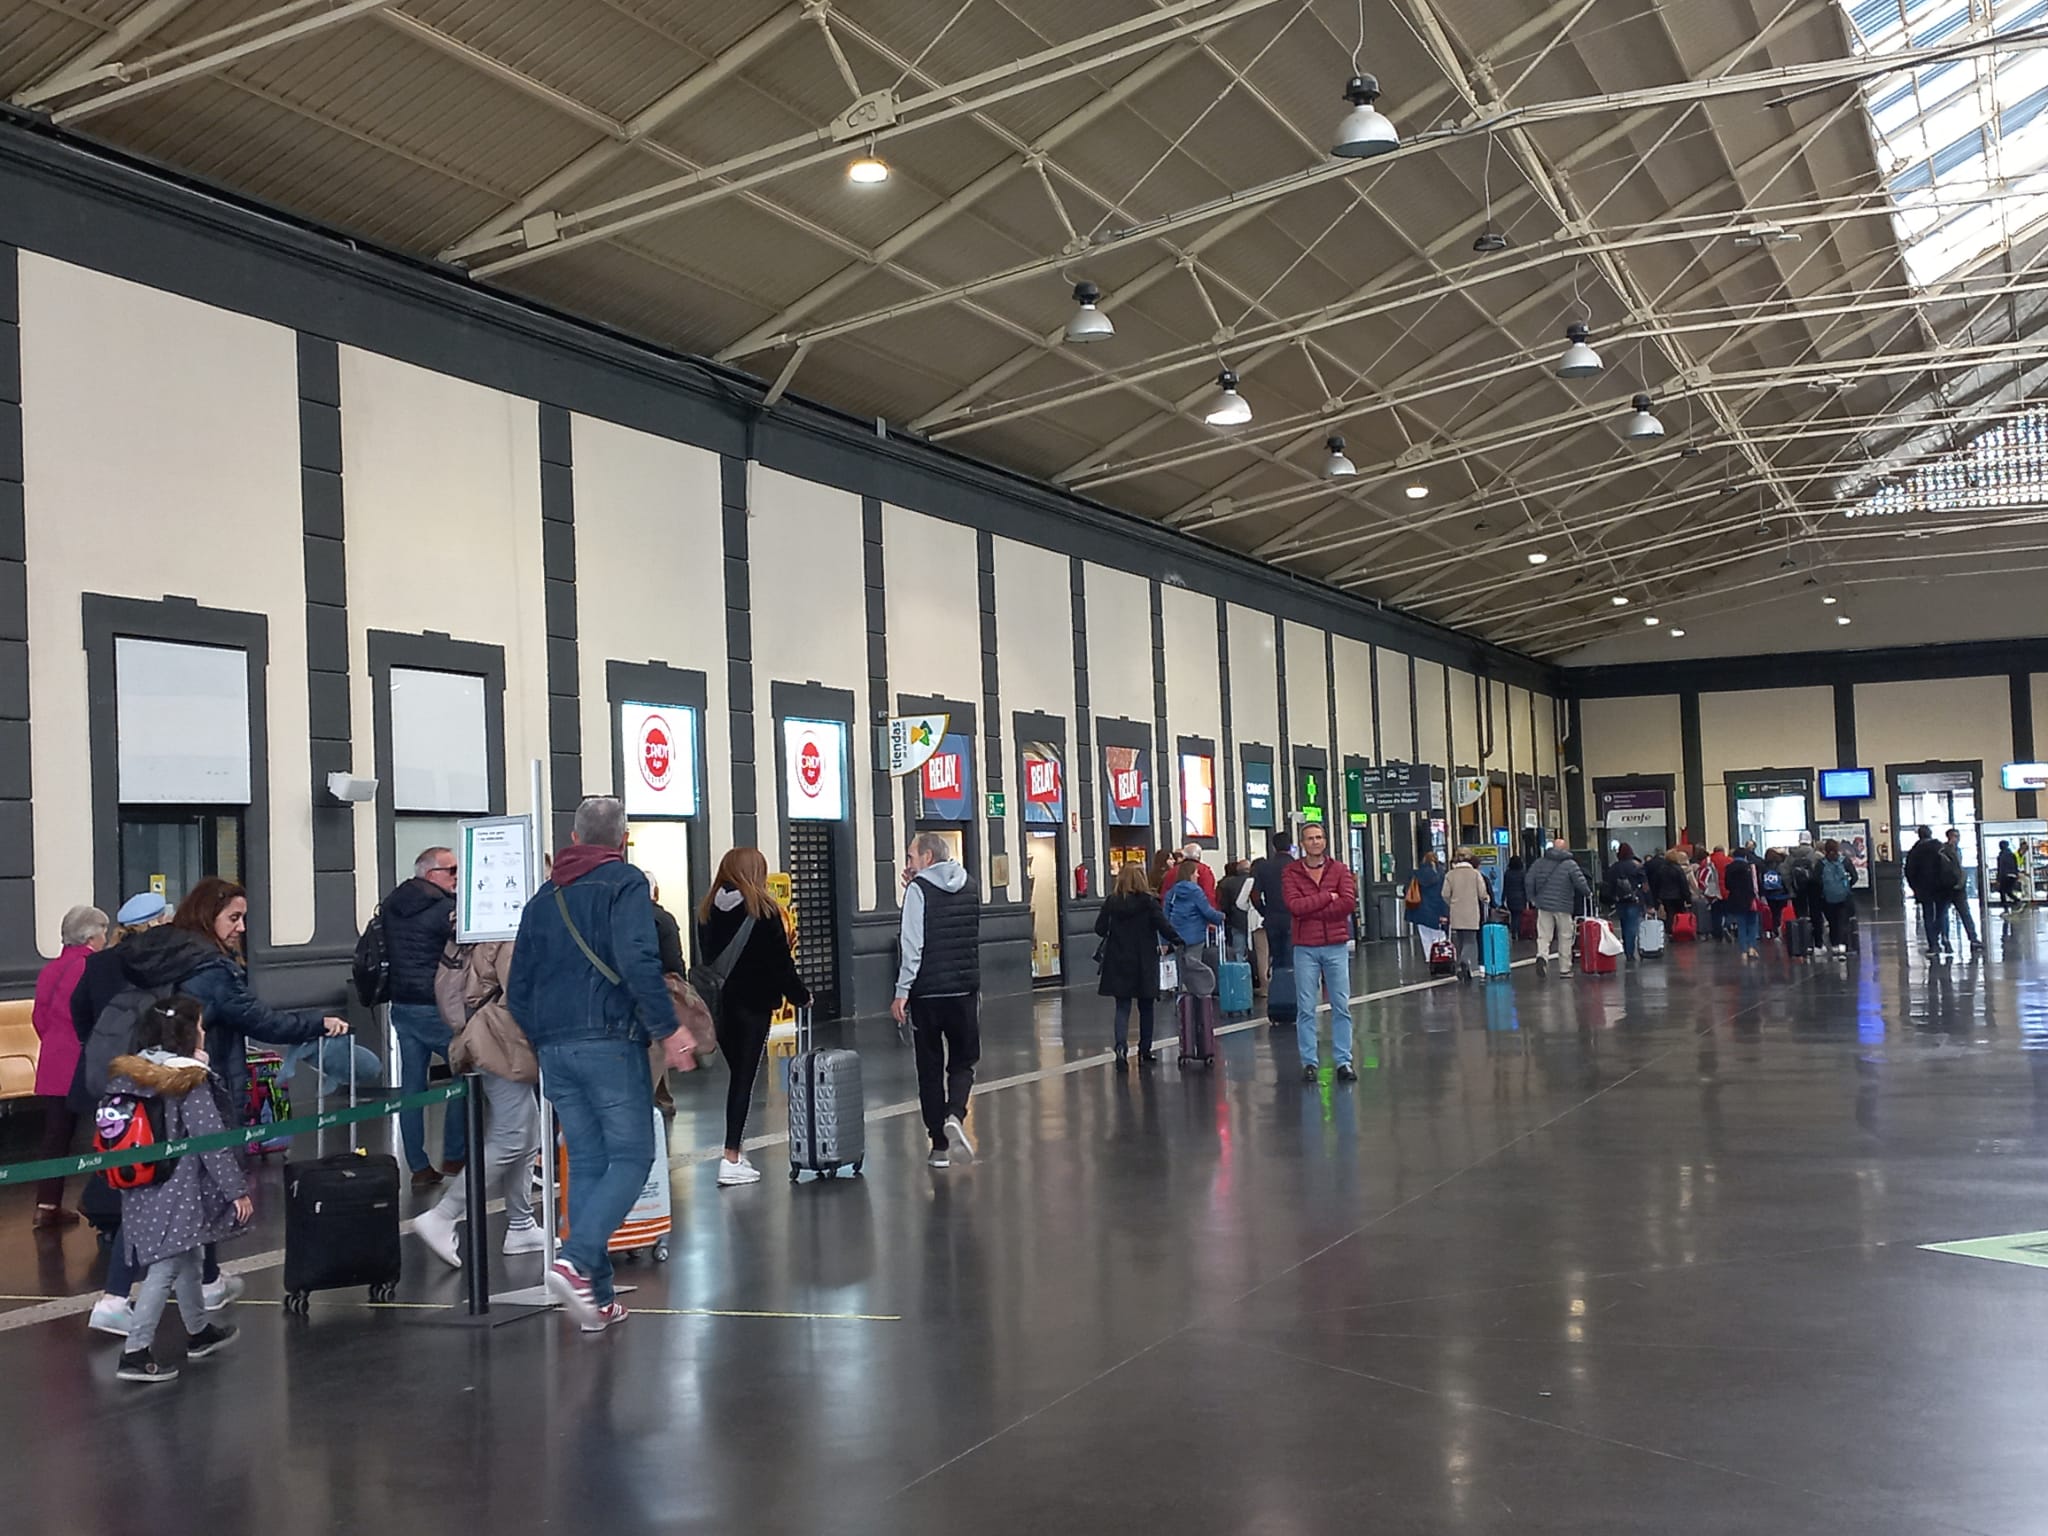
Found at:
(495, 867)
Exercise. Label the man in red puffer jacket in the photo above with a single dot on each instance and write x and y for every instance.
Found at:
(1321, 898)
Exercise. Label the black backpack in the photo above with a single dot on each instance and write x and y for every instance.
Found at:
(371, 968)
(113, 1034)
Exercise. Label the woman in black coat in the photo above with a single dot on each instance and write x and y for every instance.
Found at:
(762, 978)
(1133, 928)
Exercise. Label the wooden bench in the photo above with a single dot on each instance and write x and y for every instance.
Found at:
(18, 1049)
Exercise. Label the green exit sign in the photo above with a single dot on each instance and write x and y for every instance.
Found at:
(998, 803)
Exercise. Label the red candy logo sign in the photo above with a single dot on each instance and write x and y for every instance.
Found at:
(810, 767)
(657, 752)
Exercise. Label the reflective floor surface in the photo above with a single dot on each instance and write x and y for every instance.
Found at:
(1639, 1253)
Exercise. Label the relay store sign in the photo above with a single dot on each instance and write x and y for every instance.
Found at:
(1044, 799)
(945, 785)
(1127, 781)
(658, 743)
(814, 769)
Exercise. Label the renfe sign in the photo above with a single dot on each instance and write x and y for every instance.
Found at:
(658, 745)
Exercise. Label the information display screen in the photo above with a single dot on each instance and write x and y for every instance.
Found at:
(1846, 784)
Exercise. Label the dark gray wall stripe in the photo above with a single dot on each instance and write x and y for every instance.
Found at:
(330, 714)
(2021, 686)
(1817, 669)
(558, 572)
(1165, 766)
(1283, 764)
(19, 955)
(1081, 763)
(739, 653)
(874, 584)
(1227, 769)
(993, 776)
(97, 208)
(1335, 812)
(1575, 797)
(1414, 719)
(1845, 750)
(1693, 765)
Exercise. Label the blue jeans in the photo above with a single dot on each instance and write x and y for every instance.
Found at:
(604, 1100)
(1322, 968)
(330, 1058)
(1748, 928)
(421, 1037)
(1631, 915)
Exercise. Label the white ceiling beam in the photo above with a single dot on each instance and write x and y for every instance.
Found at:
(208, 63)
(87, 66)
(636, 131)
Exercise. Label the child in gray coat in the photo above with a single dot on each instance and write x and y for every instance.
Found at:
(168, 1222)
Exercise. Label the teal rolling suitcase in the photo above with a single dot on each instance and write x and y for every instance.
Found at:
(1493, 948)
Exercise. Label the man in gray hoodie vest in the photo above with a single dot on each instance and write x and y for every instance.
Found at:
(939, 988)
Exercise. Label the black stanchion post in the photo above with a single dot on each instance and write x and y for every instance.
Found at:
(478, 1269)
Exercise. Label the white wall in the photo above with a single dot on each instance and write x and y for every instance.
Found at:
(1308, 694)
(161, 458)
(441, 482)
(933, 608)
(1354, 705)
(1430, 744)
(1958, 719)
(810, 626)
(1035, 650)
(1194, 695)
(1627, 736)
(1120, 684)
(1254, 684)
(1397, 733)
(647, 510)
(1768, 728)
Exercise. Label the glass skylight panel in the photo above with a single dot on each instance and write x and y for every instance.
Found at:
(2004, 466)
(1962, 143)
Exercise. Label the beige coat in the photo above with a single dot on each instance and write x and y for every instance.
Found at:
(1469, 895)
(486, 1038)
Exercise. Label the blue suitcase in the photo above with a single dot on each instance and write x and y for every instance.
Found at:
(1234, 986)
(1493, 949)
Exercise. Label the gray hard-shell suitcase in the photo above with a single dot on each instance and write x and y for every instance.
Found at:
(827, 1111)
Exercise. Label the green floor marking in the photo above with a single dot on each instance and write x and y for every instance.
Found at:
(2015, 1248)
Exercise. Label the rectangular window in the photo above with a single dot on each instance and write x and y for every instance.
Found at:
(181, 722)
(439, 757)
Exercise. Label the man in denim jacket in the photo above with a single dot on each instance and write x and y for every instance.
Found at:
(587, 990)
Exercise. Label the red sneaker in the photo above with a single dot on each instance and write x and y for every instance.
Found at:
(566, 1283)
(610, 1315)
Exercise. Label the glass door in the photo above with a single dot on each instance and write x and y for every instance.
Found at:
(175, 849)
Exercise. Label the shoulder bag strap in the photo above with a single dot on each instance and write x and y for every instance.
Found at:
(562, 905)
(729, 956)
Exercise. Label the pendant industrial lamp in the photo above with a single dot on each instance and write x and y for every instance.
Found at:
(1088, 322)
(1337, 466)
(1365, 131)
(1580, 361)
(1226, 407)
(1640, 427)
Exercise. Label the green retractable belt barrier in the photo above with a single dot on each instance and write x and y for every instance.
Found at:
(241, 1136)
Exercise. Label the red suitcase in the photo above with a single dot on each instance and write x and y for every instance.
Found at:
(1526, 928)
(1685, 926)
(1591, 961)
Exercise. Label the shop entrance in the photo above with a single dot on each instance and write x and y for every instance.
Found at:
(1772, 810)
(179, 846)
(814, 876)
(661, 851)
(1941, 796)
(2027, 841)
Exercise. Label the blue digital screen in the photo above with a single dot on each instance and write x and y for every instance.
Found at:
(1846, 784)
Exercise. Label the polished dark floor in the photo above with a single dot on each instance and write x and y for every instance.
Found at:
(1631, 1254)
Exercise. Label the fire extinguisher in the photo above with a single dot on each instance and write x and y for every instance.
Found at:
(1080, 879)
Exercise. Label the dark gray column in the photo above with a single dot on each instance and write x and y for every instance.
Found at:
(558, 573)
(18, 953)
(1226, 769)
(1695, 770)
(992, 776)
(1283, 764)
(739, 653)
(1574, 786)
(1845, 748)
(329, 716)
(1166, 797)
(1081, 761)
(882, 792)
(2022, 689)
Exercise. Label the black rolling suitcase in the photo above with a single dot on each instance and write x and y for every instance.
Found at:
(341, 1220)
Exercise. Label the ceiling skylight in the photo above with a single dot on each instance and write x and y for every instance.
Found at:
(2005, 466)
(1962, 143)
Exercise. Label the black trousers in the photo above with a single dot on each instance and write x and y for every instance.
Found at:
(742, 1037)
(946, 1034)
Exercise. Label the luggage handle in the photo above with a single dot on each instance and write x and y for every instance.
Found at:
(320, 1077)
(804, 1031)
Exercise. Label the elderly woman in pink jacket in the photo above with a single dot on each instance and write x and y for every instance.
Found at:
(83, 930)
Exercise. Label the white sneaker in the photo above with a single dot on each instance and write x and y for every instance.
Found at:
(741, 1172)
(938, 1159)
(956, 1134)
(520, 1240)
(222, 1291)
(438, 1233)
(111, 1314)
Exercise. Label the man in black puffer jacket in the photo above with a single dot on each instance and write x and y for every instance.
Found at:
(418, 918)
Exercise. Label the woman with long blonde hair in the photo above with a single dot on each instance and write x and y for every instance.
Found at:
(737, 915)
